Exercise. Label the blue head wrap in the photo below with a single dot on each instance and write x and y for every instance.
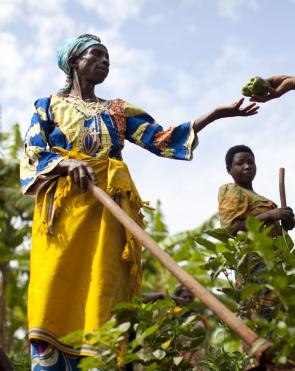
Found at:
(73, 48)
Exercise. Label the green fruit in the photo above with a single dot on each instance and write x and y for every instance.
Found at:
(256, 86)
(246, 91)
(260, 86)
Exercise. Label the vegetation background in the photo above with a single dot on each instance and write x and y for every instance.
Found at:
(164, 336)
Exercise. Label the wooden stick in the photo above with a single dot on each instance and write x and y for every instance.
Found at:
(282, 187)
(257, 344)
(5, 365)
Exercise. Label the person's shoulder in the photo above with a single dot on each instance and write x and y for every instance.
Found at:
(116, 102)
(129, 109)
(231, 190)
(228, 187)
(42, 102)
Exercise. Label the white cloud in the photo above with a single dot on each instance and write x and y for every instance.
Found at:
(26, 69)
(9, 10)
(45, 6)
(154, 19)
(186, 84)
(130, 71)
(48, 33)
(11, 60)
(193, 2)
(113, 11)
(232, 55)
(231, 8)
(192, 28)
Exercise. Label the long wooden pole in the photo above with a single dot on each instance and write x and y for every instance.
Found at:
(258, 345)
(282, 187)
(5, 365)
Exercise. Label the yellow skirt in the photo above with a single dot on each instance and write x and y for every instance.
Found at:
(83, 261)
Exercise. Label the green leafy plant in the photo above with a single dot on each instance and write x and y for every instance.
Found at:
(161, 337)
(15, 225)
(215, 258)
(227, 255)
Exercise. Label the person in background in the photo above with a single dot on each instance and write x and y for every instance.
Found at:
(237, 201)
(182, 297)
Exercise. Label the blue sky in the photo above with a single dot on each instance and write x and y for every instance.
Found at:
(177, 60)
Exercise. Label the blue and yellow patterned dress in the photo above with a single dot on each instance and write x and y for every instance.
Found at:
(96, 129)
(83, 262)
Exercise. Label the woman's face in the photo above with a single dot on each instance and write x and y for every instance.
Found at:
(93, 64)
(243, 168)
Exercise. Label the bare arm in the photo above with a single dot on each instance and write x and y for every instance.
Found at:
(278, 214)
(283, 214)
(152, 296)
(230, 110)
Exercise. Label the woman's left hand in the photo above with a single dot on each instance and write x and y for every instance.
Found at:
(235, 109)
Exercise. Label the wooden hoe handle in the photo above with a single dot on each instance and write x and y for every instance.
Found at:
(258, 345)
(282, 187)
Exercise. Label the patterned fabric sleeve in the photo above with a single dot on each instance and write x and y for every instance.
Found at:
(38, 160)
(177, 142)
(233, 206)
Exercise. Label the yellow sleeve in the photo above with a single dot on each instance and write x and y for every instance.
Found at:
(233, 206)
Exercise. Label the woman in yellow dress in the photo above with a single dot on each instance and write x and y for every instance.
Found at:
(83, 261)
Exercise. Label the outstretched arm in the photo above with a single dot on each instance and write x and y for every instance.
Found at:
(279, 86)
(230, 110)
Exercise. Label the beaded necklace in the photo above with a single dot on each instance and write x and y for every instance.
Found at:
(88, 109)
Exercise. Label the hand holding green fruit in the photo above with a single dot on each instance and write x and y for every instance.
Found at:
(279, 85)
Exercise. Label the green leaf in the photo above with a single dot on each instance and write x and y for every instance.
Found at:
(73, 337)
(206, 243)
(253, 224)
(159, 354)
(250, 289)
(220, 234)
(177, 360)
(166, 344)
(123, 327)
(149, 331)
